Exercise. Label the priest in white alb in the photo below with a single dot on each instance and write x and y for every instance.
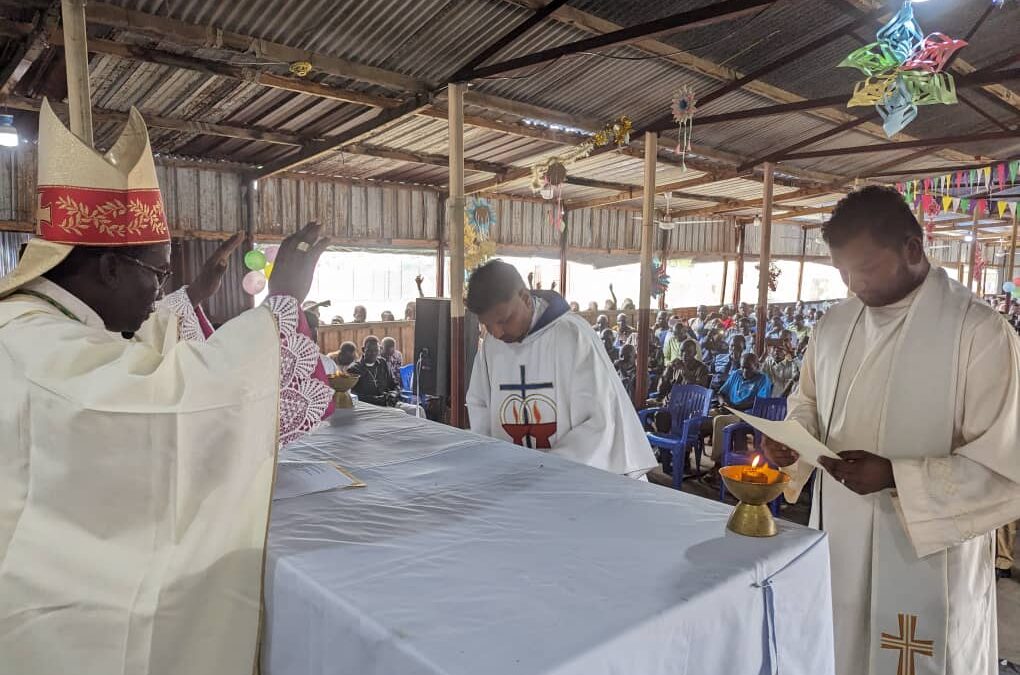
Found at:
(138, 447)
(915, 382)
(543, 380)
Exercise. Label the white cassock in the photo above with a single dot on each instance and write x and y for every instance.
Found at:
(932, 383)
(135, 480)
(557, 391)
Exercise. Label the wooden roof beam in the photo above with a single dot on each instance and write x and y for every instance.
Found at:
(30, 49)
(703, 16)
(422, 158)
(752, 203)
(158, 121)
(639, 192)
(976, 79)
(906, 145)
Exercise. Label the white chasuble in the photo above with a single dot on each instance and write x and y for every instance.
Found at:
(931, 383)
(135, 480)
(557, 391)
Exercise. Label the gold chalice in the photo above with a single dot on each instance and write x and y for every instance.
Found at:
(342, 383)
(755, 487)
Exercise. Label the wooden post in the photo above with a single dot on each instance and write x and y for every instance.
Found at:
(440, 247)
(249, 191)
(76, 57)
(803, 257)
(563, 264)
(738, 277)
(664, 260)
(764, 255)
(963, 254)
(974, 244)
(645, 295)
(725, 272)
(1011, 260)
(458, 417)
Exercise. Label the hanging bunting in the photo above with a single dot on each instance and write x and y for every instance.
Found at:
(947, 202)
(965, 205)
(1002, 208)
(980, 207)
(1000, 173)
(987, 172)
(956, 204)
(684, 106)
(903, 70)
(1014, 168)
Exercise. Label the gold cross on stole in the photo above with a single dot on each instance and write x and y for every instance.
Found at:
(907, 645)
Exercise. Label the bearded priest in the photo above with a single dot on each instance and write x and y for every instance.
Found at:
(138, 447)
(915, 383)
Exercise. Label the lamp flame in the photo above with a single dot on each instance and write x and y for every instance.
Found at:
(754, 462)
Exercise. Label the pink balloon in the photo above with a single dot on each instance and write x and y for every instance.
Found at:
(271, 252)
(253, 283)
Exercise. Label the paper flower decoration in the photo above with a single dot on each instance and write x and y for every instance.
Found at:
(660, 280)
(684, 106)
(481, 215)
(903, 70)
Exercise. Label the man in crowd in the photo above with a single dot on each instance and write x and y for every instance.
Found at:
(776, 327)
(360, 314)
(660, 331)
(626, 367)
(686, 369)
(800, 329)
(915, 383)
(138, 445)
(346, 355)
(387, 315)
(410, 311)
(542, 380)
(623, 329)
(601, 324)
(726, 363)
(742, 388)
(609, 343)
(376, 384)
(392, 357)
(671, 351)
(781, 367)
(697, 324)
(789, 316)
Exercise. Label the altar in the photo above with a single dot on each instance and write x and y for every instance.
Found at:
(463, 555)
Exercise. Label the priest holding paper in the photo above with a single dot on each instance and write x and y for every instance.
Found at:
(138, 447)
(915, 382)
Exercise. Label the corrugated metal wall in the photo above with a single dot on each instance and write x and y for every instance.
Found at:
(188, 255)
(365, 212)
(200, 199)
(17, 183)
(10, 244)
(786, 240)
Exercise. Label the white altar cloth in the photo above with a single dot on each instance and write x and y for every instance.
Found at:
(469, 556)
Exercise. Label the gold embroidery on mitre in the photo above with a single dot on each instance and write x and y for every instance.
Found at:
(146, 217)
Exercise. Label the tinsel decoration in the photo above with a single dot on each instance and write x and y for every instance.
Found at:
(301, 68)
(477, 249)
(684, 107)
(774, 273)
(616, 132)
(660, 280)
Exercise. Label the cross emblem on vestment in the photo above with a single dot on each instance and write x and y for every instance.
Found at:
(524, 387)
(907, 644)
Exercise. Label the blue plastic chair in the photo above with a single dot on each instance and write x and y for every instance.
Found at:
(688, 406)
(407, 384)
(766, 408)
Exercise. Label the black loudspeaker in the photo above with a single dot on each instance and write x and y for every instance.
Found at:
(432, 345)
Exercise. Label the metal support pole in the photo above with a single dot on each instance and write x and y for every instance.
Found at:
(644, 301)
(455, 97)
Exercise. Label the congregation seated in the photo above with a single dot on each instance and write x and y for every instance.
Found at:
(387, 316)
(345, 356)
(601, 324)
(671, 350)
(661, 328)
(360, 314)
(623, 330)
(337, 320)
(375, 384)
(574, 307)
(593, 306)
(776, 327)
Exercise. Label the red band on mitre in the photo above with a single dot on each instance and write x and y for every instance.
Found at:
(96, 217)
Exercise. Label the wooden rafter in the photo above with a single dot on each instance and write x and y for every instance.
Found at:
(975, 79)
(906, 145)
(30, 49)
(757, 202)
(696, 18)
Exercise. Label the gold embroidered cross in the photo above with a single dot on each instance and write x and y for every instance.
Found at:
(907, 644)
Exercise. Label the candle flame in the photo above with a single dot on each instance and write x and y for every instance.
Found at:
(754, 462)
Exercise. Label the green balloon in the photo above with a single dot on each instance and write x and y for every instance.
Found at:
(1016, 292)
(255, 260)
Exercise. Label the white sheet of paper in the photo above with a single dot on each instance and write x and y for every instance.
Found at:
(792, 435)
(296, 478)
